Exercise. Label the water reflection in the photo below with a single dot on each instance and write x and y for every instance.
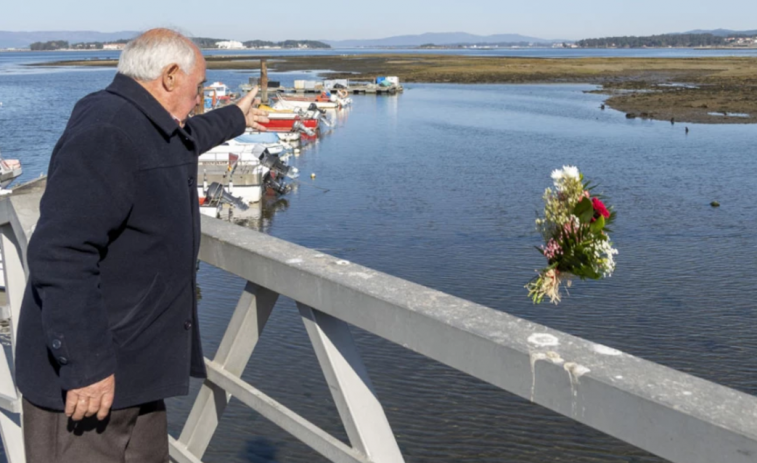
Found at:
(390, 105)
(260, 215)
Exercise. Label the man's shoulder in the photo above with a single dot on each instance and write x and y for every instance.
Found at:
(104, 110)
(98, 120)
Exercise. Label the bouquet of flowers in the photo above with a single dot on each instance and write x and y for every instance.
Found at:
(574, 226)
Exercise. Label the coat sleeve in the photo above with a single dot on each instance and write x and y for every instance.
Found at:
(217, 126)
(89, 194)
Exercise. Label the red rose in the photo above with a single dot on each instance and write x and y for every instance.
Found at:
(600, 208)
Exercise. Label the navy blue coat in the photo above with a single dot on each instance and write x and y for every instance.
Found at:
(113, 257)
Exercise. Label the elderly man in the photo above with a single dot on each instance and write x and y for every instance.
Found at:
(108, 326)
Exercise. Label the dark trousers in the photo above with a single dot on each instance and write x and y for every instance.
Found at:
(132, 435)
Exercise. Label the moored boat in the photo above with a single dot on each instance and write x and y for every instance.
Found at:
(216, 94)
(289, 137)
(271, 140)
(245, 170)
(291, 113)
(10, 169)
(288, 101)
(288, 125)
(235, 167)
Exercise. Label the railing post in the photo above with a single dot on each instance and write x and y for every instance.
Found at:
(240, 339)
(15, 277)
(15, 284)
(361, 412)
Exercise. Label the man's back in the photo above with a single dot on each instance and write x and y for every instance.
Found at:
(112, 260)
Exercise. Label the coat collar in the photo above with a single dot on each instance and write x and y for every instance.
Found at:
(129, 89)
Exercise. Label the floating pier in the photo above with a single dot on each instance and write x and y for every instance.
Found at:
(360, 89)
(352, 89)
(312, 87)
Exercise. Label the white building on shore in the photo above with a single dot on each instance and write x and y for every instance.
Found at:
(230, 45)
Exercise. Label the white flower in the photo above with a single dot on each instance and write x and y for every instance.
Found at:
(571, 172)
(566, 179)
(566, 172)
(604, 254)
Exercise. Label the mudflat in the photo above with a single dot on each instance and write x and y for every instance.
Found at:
(706, 90)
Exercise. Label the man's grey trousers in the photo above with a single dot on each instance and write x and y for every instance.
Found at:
(132, 435)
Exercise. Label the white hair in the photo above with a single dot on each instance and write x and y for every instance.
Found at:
(145, 57)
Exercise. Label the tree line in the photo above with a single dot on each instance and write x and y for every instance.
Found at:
(65, 45)
(661, 41)
(47, 46)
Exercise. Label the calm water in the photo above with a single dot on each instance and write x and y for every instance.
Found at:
(440, 186)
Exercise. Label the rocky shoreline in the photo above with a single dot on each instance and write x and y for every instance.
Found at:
(717, 90)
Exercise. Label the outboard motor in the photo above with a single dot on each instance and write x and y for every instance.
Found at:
(314, 107)
(313, 113)
(217, 194)
(275, 182)
(277, 171)
(299, 126)
(274, 163)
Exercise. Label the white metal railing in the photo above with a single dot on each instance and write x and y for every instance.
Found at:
(17, 220)
(668, 413)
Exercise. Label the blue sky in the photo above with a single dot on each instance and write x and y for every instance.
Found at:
(350, 19)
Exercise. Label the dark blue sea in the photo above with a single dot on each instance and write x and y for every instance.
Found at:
(440, 186)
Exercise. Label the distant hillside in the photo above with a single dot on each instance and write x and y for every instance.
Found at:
(440, 38)
(10, 39)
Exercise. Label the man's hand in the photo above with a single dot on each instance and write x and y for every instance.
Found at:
(252, 114)
(96, 398)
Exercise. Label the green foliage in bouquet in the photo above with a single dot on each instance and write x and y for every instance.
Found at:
(575, 228)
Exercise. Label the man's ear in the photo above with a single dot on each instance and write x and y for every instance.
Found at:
(170, 77)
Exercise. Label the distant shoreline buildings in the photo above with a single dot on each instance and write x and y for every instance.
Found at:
(742, 41)
(203, 43)
(230, 45)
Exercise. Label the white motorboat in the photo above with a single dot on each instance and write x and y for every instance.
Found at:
(10, 169)
(236, 167)
(292, 102)
(245, 171)
(294, 113)
(216, 94)
(220, 88)
(289, 137)
(270, 140)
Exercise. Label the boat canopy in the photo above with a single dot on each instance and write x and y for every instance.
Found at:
(258, 138)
